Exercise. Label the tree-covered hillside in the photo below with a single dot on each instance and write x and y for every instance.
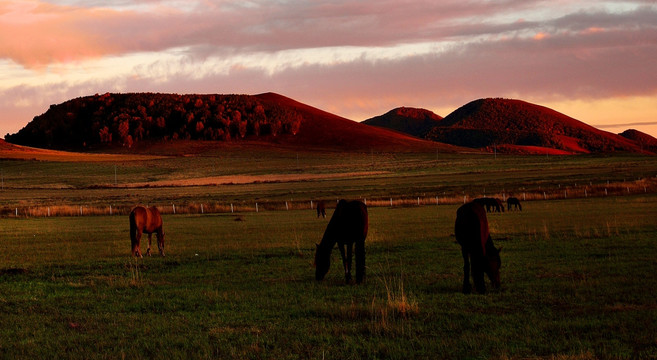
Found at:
(126, 119)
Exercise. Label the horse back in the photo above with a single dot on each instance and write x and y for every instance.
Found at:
(148, 220)
(350, 222)
(471, 228)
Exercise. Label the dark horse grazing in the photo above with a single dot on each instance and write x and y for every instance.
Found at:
(149, 221)
(513, 202)
(491, 204)
(321, 209)
(471, 230)
(348, 226)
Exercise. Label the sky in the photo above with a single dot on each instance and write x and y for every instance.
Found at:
(595, 61)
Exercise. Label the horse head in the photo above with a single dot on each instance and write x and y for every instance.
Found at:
(322, 262)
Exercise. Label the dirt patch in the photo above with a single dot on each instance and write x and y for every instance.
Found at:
(250, 179)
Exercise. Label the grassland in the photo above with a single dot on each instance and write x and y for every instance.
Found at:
(577, 273)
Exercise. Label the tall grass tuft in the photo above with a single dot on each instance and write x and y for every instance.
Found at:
(396, 306)
(135, 279)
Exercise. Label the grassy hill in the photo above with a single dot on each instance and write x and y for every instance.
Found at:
(492, 122)
(644, 140)
(413, 121)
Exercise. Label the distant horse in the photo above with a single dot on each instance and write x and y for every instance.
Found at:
(149, 221)
(348, 226)
(477, 248)
(321, 209)
(513, 202)
(491, 204)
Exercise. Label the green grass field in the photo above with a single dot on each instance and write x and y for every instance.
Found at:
(578, 280)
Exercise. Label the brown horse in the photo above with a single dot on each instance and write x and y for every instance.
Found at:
(149, 221)
(321, 209)
(348, 226)
(471, 230)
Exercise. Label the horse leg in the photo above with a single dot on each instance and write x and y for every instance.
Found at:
(136, 240)
(466, 272)
(347, 273)
(344, 261)
(478, 275)
(160, 241)
(360, 261)
(148, 252)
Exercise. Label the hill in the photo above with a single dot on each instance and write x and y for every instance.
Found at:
(141, 122)
(493, 122)
(644, 140)
(413, 121)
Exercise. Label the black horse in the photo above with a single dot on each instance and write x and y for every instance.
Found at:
(321, 209)
(513, 202)
(491, 204)
(348, 226)
(471, 230)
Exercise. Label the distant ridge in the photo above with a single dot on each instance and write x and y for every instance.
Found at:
(413, 121)
(644, 140)
(488, 123)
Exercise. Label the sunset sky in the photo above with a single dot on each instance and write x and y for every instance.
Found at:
(593, 60)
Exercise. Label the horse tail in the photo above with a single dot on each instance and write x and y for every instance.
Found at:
(133, 229)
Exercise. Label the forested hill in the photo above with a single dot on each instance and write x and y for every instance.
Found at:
(126, 119)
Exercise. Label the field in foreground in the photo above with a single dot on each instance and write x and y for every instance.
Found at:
(578, 278)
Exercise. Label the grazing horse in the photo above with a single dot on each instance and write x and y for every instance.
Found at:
(149, 221)
(513, 202)
(321, 209)
(479, 253)
(491, 204)
(348, 226)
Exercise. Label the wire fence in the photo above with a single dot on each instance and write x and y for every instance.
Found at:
(642, 186)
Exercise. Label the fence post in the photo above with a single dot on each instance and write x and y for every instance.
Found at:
(436, 200)
(286, 208)
(48, 211)
(202, 209)
(524, 196)
(390, 202)
(80, 210)
(585, 193)
(464, 196)
(311, 204)
(16, 212)
(174, 208)
(605, 191)
(231, 208)
(544, 196)
(365, 201)
(110, 209)
(256, 207)
(418, 201)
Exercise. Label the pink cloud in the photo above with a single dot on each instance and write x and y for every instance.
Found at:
(53, 33)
